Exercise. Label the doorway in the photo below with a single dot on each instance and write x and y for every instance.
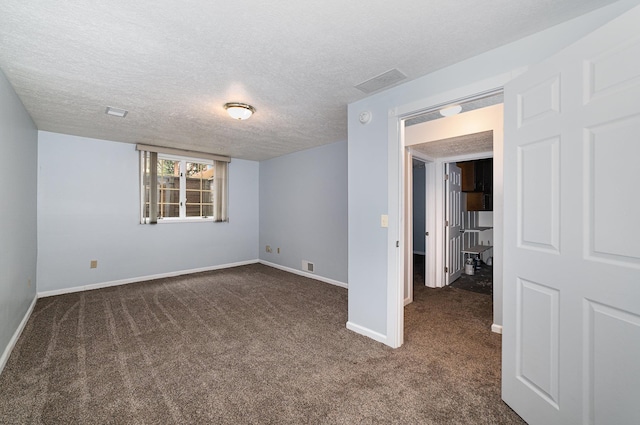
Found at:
(465, 137)
(476, 253)
(420, 235)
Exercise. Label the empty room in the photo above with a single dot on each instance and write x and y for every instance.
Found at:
(206, 212)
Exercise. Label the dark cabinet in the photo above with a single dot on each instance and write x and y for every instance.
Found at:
(468, 175)
(477, 182)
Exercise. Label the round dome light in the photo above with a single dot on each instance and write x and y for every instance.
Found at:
(451, 110)
(239, 111)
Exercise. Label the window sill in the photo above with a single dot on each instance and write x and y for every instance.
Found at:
(185, 220)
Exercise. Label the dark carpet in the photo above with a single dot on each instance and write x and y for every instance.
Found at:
(481, 281)
(250, 345)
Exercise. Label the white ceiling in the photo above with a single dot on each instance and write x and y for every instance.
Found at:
(456, 146)
(173, 64)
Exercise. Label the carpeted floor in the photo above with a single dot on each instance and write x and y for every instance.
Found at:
(250, 345)
(481, 281)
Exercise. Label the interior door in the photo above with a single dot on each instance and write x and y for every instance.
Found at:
(408, 229)
(571, 342)
(453, 225)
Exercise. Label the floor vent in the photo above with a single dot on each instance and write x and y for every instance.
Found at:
(307, 266)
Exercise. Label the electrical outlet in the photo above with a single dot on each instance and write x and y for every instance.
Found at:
(278, 250)
(384, 220)
(94, 264)
(268, 248)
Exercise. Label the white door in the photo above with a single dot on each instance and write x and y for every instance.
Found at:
(571, 342)
(408, 229)
(453, 223)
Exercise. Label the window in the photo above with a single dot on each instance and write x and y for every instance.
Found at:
(179, 188)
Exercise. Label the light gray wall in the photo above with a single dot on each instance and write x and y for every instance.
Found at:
(88, 209)
(303, 210)
(368, 150)
(18, 238)
(419, 204)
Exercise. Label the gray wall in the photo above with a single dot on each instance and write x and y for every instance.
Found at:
(303, 210)
(88, 209)
(368, 148)
(419, 204)
(18, 238)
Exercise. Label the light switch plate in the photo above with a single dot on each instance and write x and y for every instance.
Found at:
(384, 220)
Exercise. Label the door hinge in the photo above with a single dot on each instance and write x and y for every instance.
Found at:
(446, 176)
(426, 233)
(446, 223)
(446, 269)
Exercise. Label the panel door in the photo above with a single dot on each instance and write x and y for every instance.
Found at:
(453, 224)
(408, 230)
(571, 342)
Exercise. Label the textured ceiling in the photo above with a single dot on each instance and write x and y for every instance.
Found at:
(173, 64)
(457, 146)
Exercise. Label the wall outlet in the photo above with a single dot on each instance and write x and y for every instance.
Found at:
(94, 264)
(384, 220)
(278, 250)
(268, 248)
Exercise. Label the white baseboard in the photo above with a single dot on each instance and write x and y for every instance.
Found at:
(14, 339)
(140, 279)
(496, 328)
(367, 332)
(305, 274)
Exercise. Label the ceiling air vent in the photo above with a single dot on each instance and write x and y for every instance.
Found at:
(116, 112)
(386, 79)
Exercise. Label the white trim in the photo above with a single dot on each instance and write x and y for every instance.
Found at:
(16, 335)
(395, 231)
(305, 274)
(367, 332)
(430, 226)
(437, 255)
(408, 232)
(92, 286)
(201, 219)
(496, 328)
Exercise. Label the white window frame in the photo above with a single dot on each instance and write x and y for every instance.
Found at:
(183, 191)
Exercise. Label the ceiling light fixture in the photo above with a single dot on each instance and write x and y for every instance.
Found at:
(239, 111)
(451, 110)
(116, 112)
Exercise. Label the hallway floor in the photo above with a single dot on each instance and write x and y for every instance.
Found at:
(481, 282)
